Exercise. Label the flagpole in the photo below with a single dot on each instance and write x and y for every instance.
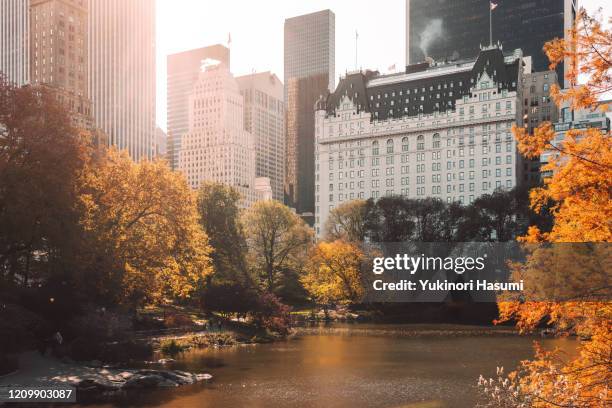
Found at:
(356, 38)
(490, 25)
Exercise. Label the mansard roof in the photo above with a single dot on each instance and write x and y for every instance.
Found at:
(423, 88)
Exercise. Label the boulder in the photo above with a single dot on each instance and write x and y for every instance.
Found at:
(99, 384)
(144, 381)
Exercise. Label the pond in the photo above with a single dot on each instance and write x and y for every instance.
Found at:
(346, 366)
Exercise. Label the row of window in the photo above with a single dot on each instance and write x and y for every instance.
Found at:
(420, 192)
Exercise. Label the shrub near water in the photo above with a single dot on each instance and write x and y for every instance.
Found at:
(174, 320)
(172, 347)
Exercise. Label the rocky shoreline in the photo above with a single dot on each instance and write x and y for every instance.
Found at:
(36, 370)
(137, 379)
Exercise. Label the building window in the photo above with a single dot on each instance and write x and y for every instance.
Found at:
(405, 145)
(420, 142)
(436, 141)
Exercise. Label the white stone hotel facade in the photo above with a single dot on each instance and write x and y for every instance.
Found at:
(438, 130)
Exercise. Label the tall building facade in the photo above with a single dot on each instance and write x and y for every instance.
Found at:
(309, 55)
(573, 119)
(537, 107)
(455, 29)
(302, 94)
(161, 141)
(122, 73)
(58, 53)
(440, 131)
(264, 119)
(183, 71)
(14, 41)
(217, 147)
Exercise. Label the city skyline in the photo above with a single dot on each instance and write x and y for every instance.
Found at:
(196, 24)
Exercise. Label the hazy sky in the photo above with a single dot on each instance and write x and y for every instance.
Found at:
(256, 28)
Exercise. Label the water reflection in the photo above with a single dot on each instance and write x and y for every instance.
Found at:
(356, 368)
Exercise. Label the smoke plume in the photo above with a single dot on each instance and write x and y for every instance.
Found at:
(432, 30)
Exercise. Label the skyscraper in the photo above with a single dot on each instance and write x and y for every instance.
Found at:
(537, 107)
(122, 73)
(183, 72)
(309, 73)
(58, 53)
(14, 41)
(455, 29)
(217, 147)
(264, 118)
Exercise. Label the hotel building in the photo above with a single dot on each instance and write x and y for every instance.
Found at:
(436, 130)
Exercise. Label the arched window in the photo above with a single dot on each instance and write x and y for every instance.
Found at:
(390, 146)
(375, 148)
(404, 144)
(420, 142)
(436, 141)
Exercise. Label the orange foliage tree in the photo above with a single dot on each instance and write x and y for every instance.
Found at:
(142, 229)
(333, 272)
(578, 193)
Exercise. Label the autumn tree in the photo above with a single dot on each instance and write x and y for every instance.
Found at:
(220, 218)
(578, 193)
(143, 236)
(347, 222)
(333, 272)
(41, 160)
(277, 239)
